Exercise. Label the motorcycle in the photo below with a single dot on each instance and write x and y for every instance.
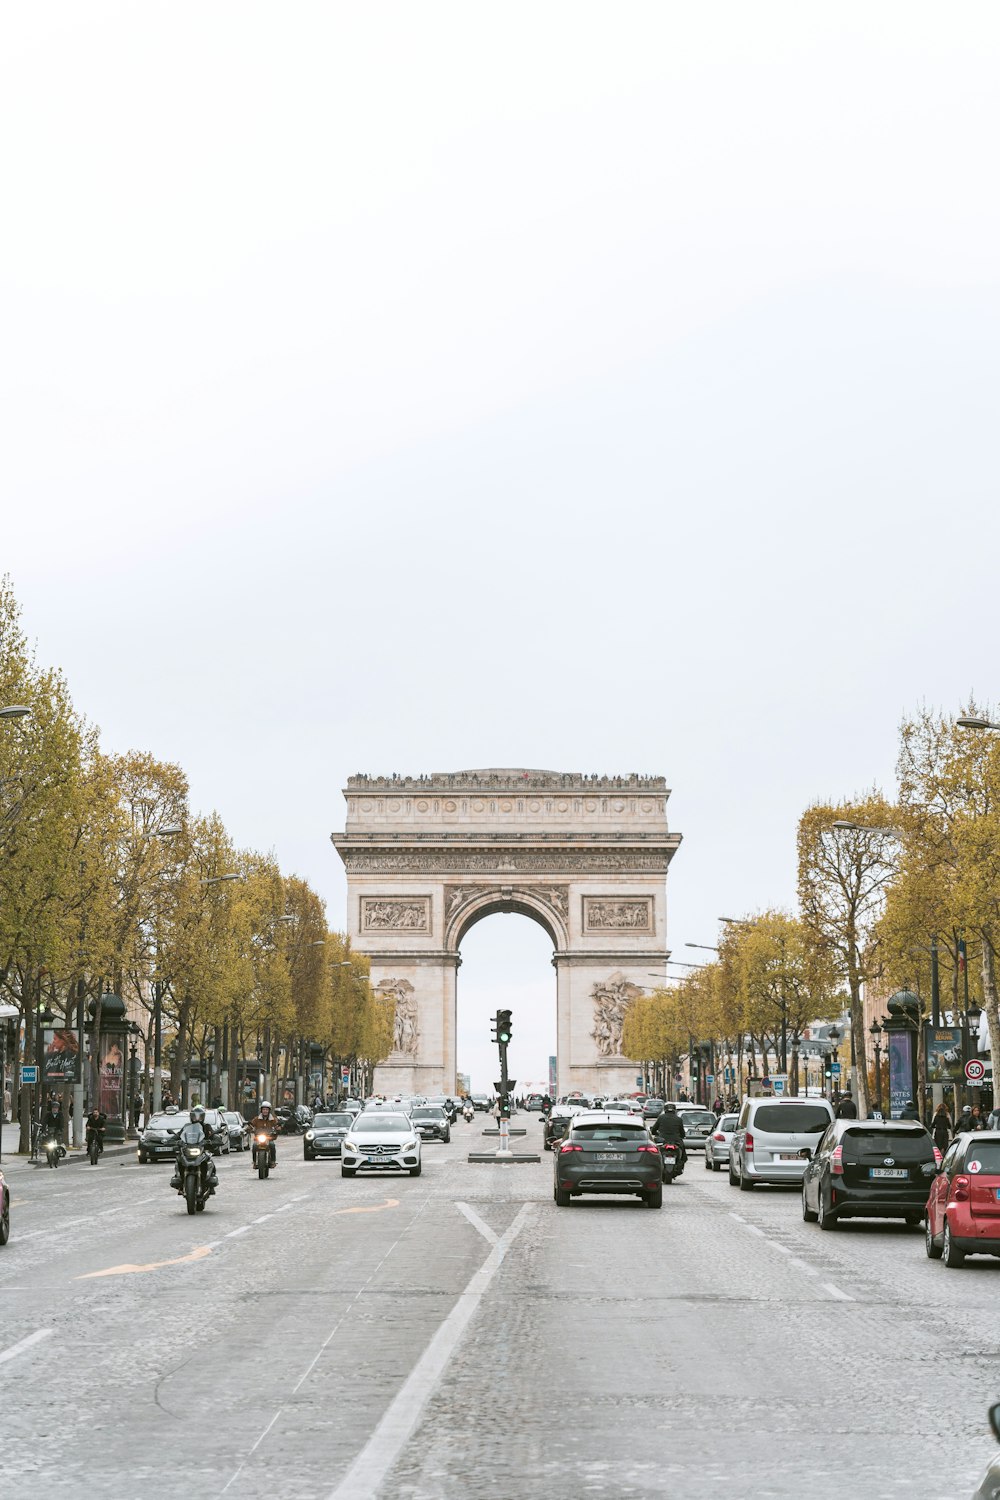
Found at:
(468, 1114)
(264, 1156)
(53, 1148)
(673, 1163)
(193, 1174)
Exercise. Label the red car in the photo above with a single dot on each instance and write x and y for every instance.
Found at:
(963, 1210)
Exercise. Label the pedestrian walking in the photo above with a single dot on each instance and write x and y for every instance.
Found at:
(910, 1111)
(136, 1109)
(846, 1108)
(941, 1127)
(964, 1121)
(976, 1119)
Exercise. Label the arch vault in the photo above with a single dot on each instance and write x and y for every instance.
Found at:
(585, 856)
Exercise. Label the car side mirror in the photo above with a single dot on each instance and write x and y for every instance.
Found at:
(995, 1421)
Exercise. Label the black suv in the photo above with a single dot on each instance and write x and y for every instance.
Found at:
(869, 1169)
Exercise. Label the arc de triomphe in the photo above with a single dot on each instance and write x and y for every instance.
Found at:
(585, 856)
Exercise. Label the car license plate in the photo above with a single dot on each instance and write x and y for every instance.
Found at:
(374, 1159)
(888, 1172)
(610, 1156)
(787, 1156)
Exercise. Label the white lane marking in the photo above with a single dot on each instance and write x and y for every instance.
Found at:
(738, 1217)
(755, 1229)
(262, 1218)
(835, 1291)
(801, 1265)
(782, 1249)
(477, 1223)
(23, 1344)
(244, 1229)
(390, 1437)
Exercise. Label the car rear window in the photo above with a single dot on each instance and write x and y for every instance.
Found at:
(610, 1132)
(728, 1122)
(697, 1117)
(987, 1154)
(905, 1145)
(791, 1119)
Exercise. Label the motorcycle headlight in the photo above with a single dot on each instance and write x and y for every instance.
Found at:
(310, 1134)
(192, 1151)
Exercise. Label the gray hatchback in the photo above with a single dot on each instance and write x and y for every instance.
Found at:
(603, 1152)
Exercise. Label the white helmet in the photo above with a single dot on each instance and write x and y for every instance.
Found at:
(265, 1104)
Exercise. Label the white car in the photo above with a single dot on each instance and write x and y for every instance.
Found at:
(381, 1140)
(717, 1144)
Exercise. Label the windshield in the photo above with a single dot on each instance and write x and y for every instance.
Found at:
(332, 1122)
(192, 1134)
(372, 1124)
(232, 1118)
(163, 1122)
(791, 1119)
(428, 1114)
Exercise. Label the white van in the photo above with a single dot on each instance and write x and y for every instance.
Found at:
(774, 1140)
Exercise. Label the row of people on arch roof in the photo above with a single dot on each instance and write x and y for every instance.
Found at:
(553, 779)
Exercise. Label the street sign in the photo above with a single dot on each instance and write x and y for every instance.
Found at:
(709, 1077)
(727, 1075)
(975, 1070)
(345, 1078)
(835, 1070)
(29, 1073)
(778, 1084)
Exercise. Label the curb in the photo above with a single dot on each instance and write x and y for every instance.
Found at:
(75, 1156)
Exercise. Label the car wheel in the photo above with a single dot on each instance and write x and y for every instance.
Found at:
(347, 1171)
(546, 1145)
(708, 1164)
(953, 1257)
(912, 1220)
(308, 1156)
(733, 1179)
(562, 1197)
(4, 1227)
(654, 1198)
(716, 1165)
(746, 1183)
(808, 1216)
(826, 1217)
(415, 1171)
(447, 1137)
(930, 1243)
(143, 1158)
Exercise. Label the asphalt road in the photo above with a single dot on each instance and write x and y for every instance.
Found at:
(457, 1335)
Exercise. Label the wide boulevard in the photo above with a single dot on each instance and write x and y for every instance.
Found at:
(458, 1335)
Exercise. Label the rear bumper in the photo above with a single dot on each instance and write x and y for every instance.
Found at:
(586, 1182)
(860, 1202)
(977, 1244)
(776, 1173)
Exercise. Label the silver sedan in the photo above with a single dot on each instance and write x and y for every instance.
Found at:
(717, 1144)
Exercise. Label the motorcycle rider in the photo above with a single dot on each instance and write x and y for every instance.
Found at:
(95, 1124)
(668, 1129)
(52, 1121)
(265, 1123)
(193, 1137)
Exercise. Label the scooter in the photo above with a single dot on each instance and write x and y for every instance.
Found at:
(673, 1163)
(54, 1149)
(264, 1155)
(468, 1114)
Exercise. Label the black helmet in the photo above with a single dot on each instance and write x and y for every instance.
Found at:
(197, 1115)
(670, 1107)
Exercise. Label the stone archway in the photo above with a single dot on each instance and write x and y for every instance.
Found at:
(585, 856)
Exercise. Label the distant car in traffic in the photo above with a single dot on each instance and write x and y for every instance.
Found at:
(963, 1208)
(381, 1141)
(698, 1125)
(652, 1108)
(556, 1123)
(533, 1102)
(871, 1169)
(481, 1102)
(239, 1130)
(717, 1143)
(607, 1153)
(774, 1138)
(431, 1123)
(158, 1140)
(325, 1136)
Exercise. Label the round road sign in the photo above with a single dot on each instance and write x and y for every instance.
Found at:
(975, 1070)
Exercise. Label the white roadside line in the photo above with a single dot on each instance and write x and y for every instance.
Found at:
(23, 1344)
(477, 1223)
(827, 1286)
(390, 1437)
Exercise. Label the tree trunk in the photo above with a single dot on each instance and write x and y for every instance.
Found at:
(860, 1046)
(991, 1008)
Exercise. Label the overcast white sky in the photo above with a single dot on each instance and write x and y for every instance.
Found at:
(420, 386)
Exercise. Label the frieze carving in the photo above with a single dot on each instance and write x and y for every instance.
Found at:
(506, 780)
(611, 1002)
(381, 915)
(601, 914)
(556, 896)
(504, 861)
(404, 1025)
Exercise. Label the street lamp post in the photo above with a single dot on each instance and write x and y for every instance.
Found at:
(875, 1032)
(157, 1090)
(134, 1034)
(834, 1035)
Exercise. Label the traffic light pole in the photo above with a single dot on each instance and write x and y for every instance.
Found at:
(504, 1147)
(502, 1033)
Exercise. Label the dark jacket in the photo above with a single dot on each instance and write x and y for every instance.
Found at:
(668, 1128)
(847, 1109)
(909, 1112)
(941, 1131)
(964, 1122)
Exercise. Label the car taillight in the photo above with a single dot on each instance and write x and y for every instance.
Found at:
(718, 1136)
(655, 1149)
(837, 1161)
(567, 1147)
(960, 1189)
(748, 1141)
(938, 1158)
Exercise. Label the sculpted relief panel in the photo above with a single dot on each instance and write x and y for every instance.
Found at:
(404, 1026)
(606, 914)
(611, 1001)
(381, 915)
(556, 896)
(511, 861)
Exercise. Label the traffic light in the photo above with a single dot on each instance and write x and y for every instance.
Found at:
(504, 1028)
(495, 1023)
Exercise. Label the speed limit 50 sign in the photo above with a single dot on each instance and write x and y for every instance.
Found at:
(975, 1070)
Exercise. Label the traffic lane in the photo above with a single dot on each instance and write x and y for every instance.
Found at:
(284, 1314)
(637, 1352)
